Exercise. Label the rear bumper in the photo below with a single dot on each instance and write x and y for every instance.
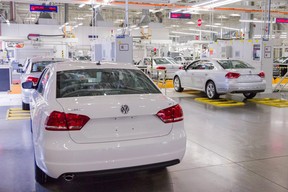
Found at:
(232, 87)
(57, 154)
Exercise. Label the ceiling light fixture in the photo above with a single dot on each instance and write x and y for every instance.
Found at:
(183, 33)
(205, 3)
(81, 5)
(217, 24)
(190, 23)
(221, 3)
(235, 15)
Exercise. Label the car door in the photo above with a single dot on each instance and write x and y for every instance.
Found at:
(187, 78)
(38, 103)
(206, 72)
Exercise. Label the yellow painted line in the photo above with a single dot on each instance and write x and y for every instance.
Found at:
(169, 84)
(270, 102)
(193, 92)
(17, 114)
(220, 102)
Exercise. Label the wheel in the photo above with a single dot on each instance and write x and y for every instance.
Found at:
(25, 106)
(177, 84)
(249, 95)
(40, 176)
(211, 90)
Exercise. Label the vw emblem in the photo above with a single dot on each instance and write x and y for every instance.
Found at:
(124, 109)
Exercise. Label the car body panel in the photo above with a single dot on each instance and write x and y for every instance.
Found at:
(59, 152)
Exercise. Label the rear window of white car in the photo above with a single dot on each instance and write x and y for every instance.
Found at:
(39, 66)
(161, 61)
(234, 64)
(99, 82)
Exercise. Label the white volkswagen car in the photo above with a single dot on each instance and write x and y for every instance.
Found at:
(102, 118)
(217, 77)
(31, 71)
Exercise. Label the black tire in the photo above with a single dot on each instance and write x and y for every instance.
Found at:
(177, 84)
(211, 91)
(249, 95)
(40, 176)
(25, 106)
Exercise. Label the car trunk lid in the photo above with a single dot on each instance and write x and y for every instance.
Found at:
(247, 75)
(118, 118)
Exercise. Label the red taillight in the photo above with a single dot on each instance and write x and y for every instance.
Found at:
(262, 74)
(161, 68)
(232, 75)
(59, 121)
(171, 114)
(33, 79)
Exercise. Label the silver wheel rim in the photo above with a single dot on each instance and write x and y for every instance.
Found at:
(176, 83)
(210, 90)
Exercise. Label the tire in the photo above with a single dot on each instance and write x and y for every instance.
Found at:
(40, 176)
(249, 95)
(25, 106)
(211, 91)
(177, 84)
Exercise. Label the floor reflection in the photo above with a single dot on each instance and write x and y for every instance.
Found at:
(156, 180)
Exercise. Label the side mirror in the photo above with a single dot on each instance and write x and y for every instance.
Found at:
(20, 71)
(20, 65)
(27, 85)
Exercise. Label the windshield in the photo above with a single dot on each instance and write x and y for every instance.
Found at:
(188, 58)
(40, 65)
(234, 64)
(173, 61)
(161, 61)
(98, 82)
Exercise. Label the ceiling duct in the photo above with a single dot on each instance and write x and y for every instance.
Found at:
(145, 19)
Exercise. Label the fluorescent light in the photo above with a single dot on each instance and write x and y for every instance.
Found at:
(81, 5)
(225, 2)
(174, 25)
(80, 18)
(136, 28)
(235, 15)
(145, 26)
(80, 24)
(183, 33)
(217, 24)
(205, 3)
(176, 36)
(250, 21)
(231, 28)
(222, 17)
(190, 23)
(284, 33)
(177, 10)
(132, 26)
(66, 23)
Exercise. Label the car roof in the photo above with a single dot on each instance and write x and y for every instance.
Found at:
(36, 59)
(74, 65)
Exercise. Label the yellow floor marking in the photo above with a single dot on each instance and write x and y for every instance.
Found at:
(17, 114)
(270, 102)
(220, 102)
(169, 84)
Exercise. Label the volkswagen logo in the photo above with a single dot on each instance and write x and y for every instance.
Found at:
(124, 109)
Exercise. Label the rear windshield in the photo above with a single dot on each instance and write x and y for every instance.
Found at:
(98, 82)
(234, 64)
(40, 65)
(188, 58)
(161, 61)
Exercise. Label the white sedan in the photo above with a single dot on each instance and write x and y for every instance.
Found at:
(102, 118)
(217, 77)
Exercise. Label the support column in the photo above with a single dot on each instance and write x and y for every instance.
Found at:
(12, 12)
(66, 13)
